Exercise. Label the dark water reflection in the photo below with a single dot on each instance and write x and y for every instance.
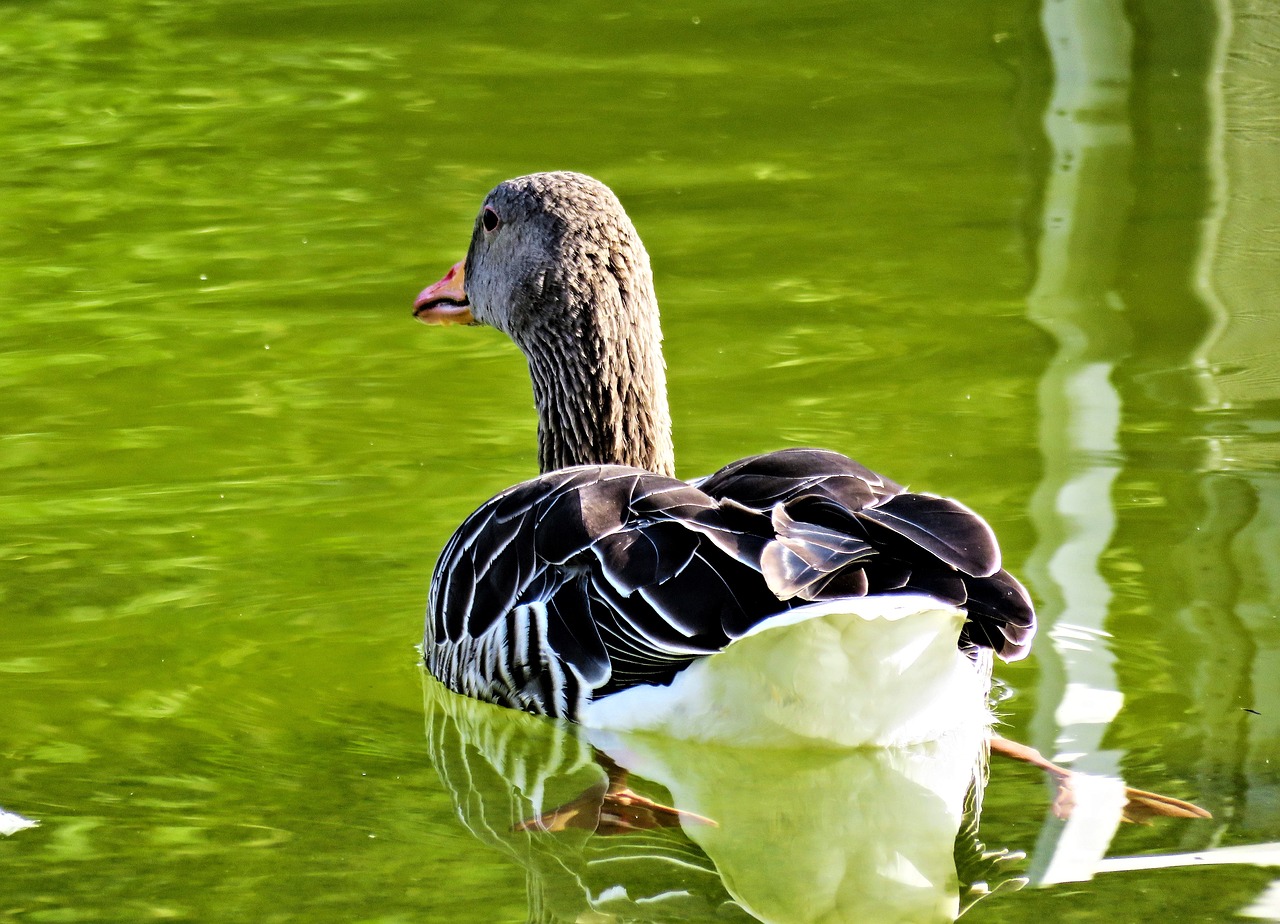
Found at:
(1021, 253)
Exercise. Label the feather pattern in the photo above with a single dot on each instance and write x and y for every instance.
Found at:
(589, 580)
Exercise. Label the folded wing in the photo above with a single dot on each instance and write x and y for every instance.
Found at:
(590, 580)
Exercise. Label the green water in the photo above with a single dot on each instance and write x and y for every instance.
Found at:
(1009, 254)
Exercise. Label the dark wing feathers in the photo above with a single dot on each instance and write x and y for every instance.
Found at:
(791, 474)
(943, 527)
(573, 634)
(634, 558)
(804, 558)
(1000, 615)
(613, 576)
(713, 600)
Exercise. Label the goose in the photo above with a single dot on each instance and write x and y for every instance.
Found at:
(791, 598)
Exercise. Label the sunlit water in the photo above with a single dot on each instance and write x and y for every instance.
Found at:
(1022, 257)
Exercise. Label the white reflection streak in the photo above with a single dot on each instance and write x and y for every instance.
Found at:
(1080, 412)
(1266, 906)
(1264, 855)
(1211, 229)
(11, 823)
(1237, 242)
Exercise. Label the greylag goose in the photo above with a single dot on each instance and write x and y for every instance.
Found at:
(791, 597)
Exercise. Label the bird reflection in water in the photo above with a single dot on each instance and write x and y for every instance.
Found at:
(646, 828)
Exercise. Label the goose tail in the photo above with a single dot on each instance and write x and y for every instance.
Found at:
(881, 671)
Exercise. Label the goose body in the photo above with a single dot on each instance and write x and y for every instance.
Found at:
(794, 596)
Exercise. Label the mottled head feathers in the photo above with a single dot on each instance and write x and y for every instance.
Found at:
(556, 264)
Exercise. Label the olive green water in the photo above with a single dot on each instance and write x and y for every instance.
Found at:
(1026, 258)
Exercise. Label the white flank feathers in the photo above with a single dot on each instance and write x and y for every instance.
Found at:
(856, 672)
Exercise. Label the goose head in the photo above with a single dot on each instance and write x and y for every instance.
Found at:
(556, 264)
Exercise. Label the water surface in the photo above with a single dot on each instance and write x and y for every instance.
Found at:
(1021, 256)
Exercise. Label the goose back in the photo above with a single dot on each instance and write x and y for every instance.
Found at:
(588, 581)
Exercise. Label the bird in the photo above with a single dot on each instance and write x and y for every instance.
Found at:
(792, 597)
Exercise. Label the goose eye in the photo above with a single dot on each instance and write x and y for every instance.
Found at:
(490, 220)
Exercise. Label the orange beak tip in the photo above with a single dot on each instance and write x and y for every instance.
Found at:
(445, 302)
